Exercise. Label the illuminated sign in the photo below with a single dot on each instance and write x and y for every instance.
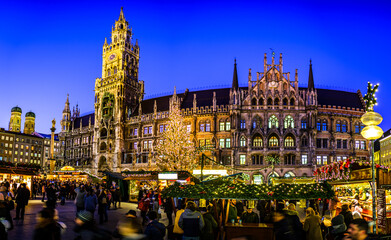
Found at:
(168, 176)
(211, 172)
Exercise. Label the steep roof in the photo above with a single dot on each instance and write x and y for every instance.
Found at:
(205, 98)
(85, 120)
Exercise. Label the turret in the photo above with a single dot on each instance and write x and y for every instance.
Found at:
(29, 123)
(15, 120)
(312, 98)
(66, 117)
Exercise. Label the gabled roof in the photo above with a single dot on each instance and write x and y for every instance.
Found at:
(339, 98)
(85, 120)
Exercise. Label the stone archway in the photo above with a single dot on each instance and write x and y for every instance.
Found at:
(102, 164)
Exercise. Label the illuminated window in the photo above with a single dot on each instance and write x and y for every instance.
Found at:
(242, 141)
(338, 126)
(188, 128)
(242, 124)
(202, 127)
(228, 142)
(221, 142)
(257, 142)
(242, 159)
(135, 132)
(304, 159)
(288, 122)
(289, 142)
(222, 126)
(304, 123)
(273, 141)
(228, 126)
(319, 160)
(324, 125)
(207, 126)
(273, 121)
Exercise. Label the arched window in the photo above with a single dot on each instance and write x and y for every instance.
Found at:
(242, 141)
(289, 174)
(261, 101)
(357, 128)
(344, 126)
(338, 126)
(303, 123)
(103, 133)
(324, 125)
(115, 70)
(222, 125)
(271, 176)
(288, 122)
(269, 102)
(257, 142)
(285, 102)
(318, 125)
(254, 124)
(273, 141)
(304, 142)
(207, 126)
(273, 121)
(289, 142)
(202, 126)
(227, 125)
(276, 101)
(254, 101)
(108, 73)
(103, 146)
(292, 102)
(115, 39)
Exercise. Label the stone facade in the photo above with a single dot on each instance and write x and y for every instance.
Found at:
(305, 127)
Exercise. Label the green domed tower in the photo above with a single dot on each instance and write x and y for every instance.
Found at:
(29, 123)
(16, 119)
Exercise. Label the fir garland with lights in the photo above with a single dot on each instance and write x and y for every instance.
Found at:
(369, 98)
(225, 189)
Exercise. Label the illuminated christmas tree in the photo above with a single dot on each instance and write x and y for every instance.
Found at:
(174, 150)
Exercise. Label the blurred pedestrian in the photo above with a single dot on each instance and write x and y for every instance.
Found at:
(129, 229)
(312, 225)
(47, 228)
(90, 201)
(347, 214)
(79, 200)
(22, 199)
(143, 206)
(154, 230)
(357, 230)
(168, 209)
(210, 226)
(103, 206)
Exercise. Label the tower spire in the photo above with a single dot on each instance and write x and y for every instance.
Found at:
(121, 14)
(235, 84)
(311, 85)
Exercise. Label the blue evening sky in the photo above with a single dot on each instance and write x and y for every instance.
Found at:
(51, 48)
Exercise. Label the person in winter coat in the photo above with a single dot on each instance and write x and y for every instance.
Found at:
(232, 211)
(90, 202)
(210, 224)
(85, 226)
(347, 214)
(79, 200)
(283, 230)
(191, 221)
(168, 209)
(51, 194)
(154, 230)
(47, 228)
(4, 226)
(338, 228)
(103, 206)
(143, 206)
(178, 232)
(249, 216)
(312, 225)
(294, 221)
(117, 198)
(239, 207)
(21, 199)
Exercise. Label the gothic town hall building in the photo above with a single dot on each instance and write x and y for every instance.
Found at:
(304, 127)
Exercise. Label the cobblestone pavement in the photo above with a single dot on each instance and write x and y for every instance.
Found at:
(24, 230)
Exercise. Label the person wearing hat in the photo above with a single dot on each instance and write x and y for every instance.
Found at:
(338, 227)
(249, 216)
(85, 225)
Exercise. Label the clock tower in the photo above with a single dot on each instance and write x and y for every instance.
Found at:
(117, 94)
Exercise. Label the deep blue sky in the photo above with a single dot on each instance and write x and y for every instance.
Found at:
(49, 49)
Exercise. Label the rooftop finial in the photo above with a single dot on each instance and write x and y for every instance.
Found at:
(121, 15)
(311, 85)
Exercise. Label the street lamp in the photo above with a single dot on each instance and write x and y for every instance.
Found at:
(372, 132)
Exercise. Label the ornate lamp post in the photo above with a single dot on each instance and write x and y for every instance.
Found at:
(372, 132)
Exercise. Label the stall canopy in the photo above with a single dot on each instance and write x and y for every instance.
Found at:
(18, 171)
(154, 175)
(227, 189)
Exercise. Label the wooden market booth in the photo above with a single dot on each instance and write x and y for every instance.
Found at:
(226, 189)
(68, 173)
(353, 182)
(18, 175)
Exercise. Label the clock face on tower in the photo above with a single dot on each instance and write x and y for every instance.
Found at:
(111, 57)
(273, 84)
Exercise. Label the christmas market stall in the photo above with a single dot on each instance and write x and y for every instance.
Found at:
(153, 180)
(226, 189)
(18, 173)
(352, 180)
(68, 173)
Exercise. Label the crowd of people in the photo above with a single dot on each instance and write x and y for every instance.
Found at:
(189, 220)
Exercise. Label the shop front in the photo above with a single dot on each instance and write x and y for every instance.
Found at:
(18, 176)
(352, 181)
(68, 173)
